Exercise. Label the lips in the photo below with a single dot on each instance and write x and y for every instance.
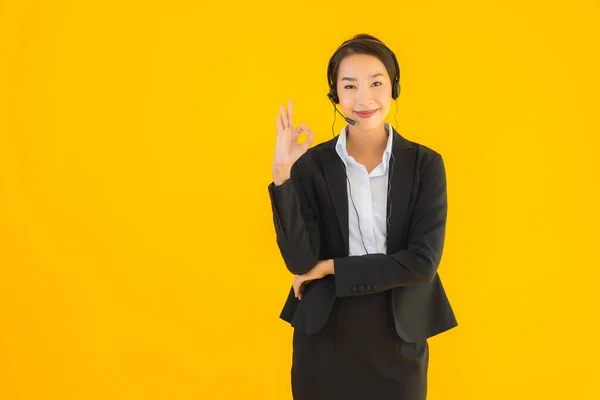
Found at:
(366, 114)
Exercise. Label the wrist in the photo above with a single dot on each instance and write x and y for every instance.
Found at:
(281, 173)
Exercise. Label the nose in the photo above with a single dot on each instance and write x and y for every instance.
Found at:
(364, 97)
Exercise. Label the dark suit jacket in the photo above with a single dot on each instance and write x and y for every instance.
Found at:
(310, 214)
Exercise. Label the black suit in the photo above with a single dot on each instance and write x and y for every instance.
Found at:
(310, 213)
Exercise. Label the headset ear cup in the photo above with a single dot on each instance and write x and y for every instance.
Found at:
(395, 90)
(333, 95)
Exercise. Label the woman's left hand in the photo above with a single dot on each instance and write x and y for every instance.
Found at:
(320, 270)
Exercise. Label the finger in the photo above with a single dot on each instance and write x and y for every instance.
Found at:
(308, 142)
(303, 287)
(278, 122)
(298, 131)
(284, 117)
(298, 286)
(290, 108)
(301, 128)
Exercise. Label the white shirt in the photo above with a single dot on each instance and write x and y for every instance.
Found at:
(369, 193)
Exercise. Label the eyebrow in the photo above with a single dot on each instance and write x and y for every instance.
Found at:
(347, 78)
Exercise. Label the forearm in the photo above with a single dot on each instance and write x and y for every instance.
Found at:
(382, 271)
(297, 238)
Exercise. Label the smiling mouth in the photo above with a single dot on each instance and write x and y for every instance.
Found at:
(366, 113)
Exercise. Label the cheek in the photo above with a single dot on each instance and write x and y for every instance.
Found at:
(347, 103)
(384, 95)
(385, 100)
(345, 97)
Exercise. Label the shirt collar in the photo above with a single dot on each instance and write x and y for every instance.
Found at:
(340, 146)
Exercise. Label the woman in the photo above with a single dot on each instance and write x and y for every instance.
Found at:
(360, 221)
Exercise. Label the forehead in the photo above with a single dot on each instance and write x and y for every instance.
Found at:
(361, 66)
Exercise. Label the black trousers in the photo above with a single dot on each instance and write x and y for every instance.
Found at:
(358, 355)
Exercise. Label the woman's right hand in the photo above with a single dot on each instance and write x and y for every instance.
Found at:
(287, 148)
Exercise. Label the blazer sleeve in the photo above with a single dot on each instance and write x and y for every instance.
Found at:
(295, 223)
(416, 264)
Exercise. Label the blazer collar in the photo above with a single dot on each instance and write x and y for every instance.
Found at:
(400, 180)
(340, 147)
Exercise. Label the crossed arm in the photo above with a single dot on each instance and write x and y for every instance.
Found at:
(299, 239)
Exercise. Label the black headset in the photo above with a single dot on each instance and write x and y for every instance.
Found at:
(333, 96)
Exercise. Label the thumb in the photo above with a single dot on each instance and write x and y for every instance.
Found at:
(308, 142)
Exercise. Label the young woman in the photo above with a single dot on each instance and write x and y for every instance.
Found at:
(360, 222)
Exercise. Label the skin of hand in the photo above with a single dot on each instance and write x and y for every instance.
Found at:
(287, 147)
(320, 270)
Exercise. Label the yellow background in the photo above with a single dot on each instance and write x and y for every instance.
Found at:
(137, 252)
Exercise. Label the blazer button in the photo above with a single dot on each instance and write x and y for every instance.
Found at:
(361, 288)
(354, 289)
(369, 288)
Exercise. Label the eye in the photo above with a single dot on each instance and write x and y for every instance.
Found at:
(349, 86)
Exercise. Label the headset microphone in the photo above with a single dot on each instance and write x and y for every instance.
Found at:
(348, 120)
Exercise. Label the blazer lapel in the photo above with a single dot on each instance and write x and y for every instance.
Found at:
(335, 175)
(400, 179)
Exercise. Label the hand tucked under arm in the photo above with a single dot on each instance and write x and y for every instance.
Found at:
(320, 270)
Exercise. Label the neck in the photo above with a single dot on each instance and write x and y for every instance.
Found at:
(366, 141)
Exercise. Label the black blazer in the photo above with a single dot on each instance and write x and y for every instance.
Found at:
(310, 214)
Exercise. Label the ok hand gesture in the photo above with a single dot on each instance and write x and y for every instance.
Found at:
(287, 148)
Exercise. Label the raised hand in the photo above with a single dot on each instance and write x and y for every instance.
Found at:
(287, 148)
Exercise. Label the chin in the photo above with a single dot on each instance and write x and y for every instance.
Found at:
(369, 122)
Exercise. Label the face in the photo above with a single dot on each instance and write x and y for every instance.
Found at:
(363, 84)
